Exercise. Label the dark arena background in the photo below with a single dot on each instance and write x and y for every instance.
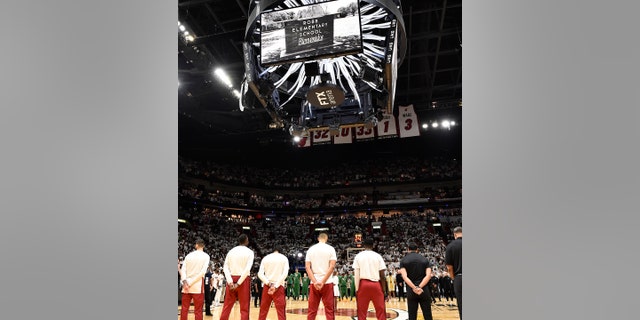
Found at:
(249, 167)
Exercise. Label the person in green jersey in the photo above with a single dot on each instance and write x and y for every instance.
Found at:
(305, 286)
(351, 287)
(342, 284)
(296, 285)
(289, 286)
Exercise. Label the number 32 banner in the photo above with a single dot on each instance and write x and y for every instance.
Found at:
(320, 137)
(408, 122)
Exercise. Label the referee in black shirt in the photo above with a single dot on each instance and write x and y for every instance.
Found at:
(416, 272)
(453, 260)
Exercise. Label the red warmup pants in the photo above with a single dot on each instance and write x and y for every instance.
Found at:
(198, 301)
(277, 298)
(326, 295)
(242, 294)
(370, 291)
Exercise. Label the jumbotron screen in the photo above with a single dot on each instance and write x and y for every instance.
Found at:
(312, 31)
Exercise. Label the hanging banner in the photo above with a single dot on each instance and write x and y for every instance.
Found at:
(387, 127)
(304, 142)
(320, 136)
(344, 136)
(408, 122)
(364, 134)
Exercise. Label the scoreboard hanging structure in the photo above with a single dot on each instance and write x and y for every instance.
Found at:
(336, 61)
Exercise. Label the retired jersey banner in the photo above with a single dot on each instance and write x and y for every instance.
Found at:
(320, 136)
(387, 127)
(344, 136)
(408, 122)
(304, 142)
(364, 134)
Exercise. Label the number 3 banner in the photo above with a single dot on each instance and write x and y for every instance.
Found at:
(408, 122)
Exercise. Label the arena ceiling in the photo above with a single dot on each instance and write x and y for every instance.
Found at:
(208, 110)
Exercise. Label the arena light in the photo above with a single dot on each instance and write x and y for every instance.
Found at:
(446, 123)
(425, 126)
(188, 37)
(435, 125)
(296, 138)
(453, 123)
(222, 75)
(226, 80)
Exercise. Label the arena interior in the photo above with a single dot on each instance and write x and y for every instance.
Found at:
(241, 171)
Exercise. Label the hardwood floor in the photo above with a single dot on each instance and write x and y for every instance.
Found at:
(346, 310)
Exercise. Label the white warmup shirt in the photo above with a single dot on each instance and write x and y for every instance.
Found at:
(238, 262)
(194, 267)
(368, 263)
(274, 268)
(319, 255)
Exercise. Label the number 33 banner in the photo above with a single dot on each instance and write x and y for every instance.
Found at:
(363, 133)
(408, 122)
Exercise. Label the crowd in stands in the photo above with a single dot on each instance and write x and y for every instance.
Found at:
(296, 233)
(338, 185)
(340, 174)
(275, 200)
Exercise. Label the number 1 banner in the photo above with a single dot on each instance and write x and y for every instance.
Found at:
(387, 127)
(408, 122)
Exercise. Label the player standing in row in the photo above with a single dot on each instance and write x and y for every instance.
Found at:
(237, 265)
(192, 273)
(416, 273)
(453, 260)
(273, 274)
(371, 285)
(319, 263)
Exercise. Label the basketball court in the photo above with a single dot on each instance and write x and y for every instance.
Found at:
(346, 310)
